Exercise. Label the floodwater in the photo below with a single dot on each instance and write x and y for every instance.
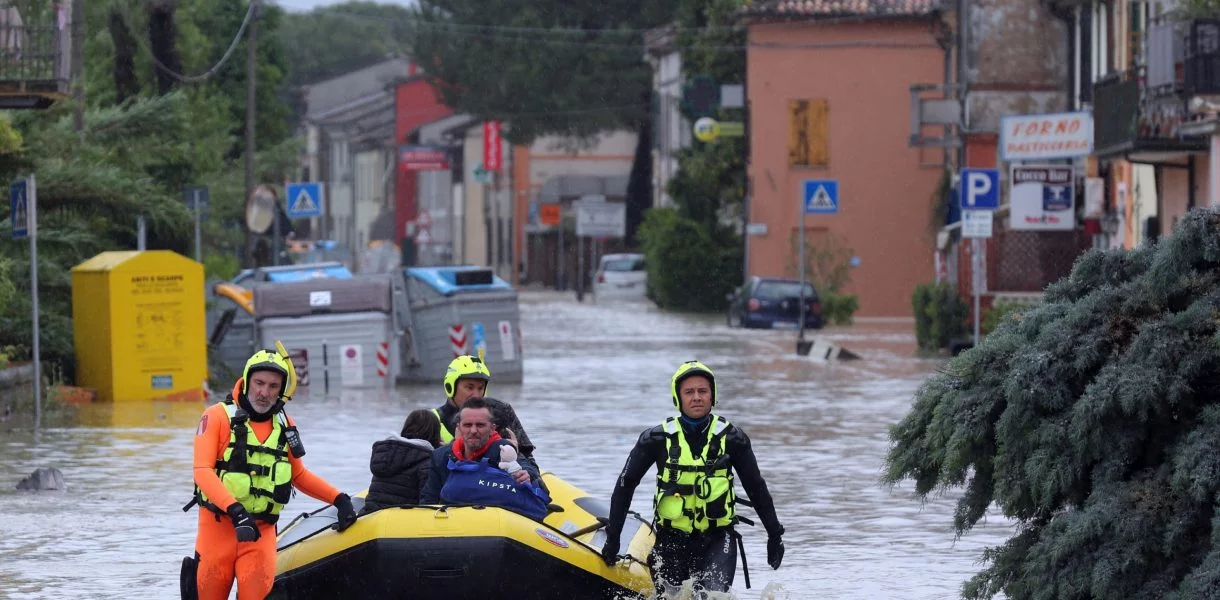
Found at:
(595, 377)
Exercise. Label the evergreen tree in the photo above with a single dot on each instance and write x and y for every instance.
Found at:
(1091, 420)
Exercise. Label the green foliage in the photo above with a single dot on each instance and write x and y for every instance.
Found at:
(1092, 422)
(828, 268)
(999, 311)
(837, 309)
(940, 315)
(356, 34)
(710, 185)
(687, 270)
(523, 63)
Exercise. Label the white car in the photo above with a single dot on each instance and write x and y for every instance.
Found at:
(620, 277)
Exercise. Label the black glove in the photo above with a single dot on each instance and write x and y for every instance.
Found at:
(247, 529)
(610, 551)
(347, 514)
(775, 551)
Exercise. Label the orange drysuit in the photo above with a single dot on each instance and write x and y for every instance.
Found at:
(221, 557)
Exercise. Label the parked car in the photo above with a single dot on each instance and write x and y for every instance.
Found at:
(764, 302)
(620, 277)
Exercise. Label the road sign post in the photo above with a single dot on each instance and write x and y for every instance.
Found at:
(197, 198)
(978, 190)
(818, 197)
(23, 199)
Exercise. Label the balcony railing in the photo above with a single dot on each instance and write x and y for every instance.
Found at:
(1202, 58)
(1139, 113)
(34, 53)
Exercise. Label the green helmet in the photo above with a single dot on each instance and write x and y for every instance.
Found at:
(465, 367)
(688, 368)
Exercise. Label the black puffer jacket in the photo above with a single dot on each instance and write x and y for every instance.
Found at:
(400, 471)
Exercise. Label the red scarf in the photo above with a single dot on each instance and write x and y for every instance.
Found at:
(459, 447)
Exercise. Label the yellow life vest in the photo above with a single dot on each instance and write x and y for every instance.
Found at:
(446, 436)
(259, 476)
(695, 493)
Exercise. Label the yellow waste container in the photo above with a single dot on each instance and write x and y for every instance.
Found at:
(139, 326)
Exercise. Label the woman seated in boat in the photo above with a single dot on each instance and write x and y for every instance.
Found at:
(400, 463)
(475, 468)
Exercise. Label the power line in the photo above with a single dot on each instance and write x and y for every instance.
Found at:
(510, 34)
(241, 32)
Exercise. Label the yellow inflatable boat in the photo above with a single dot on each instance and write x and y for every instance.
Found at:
(456, 552)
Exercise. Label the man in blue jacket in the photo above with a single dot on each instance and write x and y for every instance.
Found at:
(476, 440)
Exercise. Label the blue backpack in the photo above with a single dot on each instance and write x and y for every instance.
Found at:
(480, 483)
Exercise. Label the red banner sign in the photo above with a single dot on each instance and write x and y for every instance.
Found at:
(492, 153)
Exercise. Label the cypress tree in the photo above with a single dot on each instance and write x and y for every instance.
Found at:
(1093, 421)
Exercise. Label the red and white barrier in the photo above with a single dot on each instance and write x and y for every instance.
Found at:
(383, 359)
(457, 339)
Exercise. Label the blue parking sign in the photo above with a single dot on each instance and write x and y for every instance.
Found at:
(979, 189)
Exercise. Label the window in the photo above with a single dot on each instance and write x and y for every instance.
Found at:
(778, 290)
(623, 264)
(808, 133)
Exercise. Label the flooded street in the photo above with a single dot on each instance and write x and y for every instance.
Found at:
(595, 377)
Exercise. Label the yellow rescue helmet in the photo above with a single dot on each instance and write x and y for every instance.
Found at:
(466, 367)
(687, 369)
(276, 362)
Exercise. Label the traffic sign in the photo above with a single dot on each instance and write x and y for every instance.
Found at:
(197, 194)
(701, 96)
(19, 208)
(304, 200)
(977, 223)
(979, 189)
(595, 217)
(821, 196)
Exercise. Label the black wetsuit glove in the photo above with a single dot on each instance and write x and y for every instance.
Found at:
(247, 529)
(347, 514)
(610, 551)
(775, 551)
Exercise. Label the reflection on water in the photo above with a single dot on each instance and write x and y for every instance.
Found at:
(596, 376)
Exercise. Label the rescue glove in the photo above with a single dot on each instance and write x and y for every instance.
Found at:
(775, 551)
(347, 514)
(610, 551)
(247, 529)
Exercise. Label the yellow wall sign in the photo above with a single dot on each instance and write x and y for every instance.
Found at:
(708, 129)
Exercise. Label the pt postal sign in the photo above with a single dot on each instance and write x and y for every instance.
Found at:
(1044, 137)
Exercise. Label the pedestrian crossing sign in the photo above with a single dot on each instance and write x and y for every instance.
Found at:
(821, 196)
(304, 200)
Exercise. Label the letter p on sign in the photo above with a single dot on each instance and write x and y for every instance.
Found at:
(979, 189)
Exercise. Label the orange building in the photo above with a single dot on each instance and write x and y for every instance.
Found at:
(828, 87)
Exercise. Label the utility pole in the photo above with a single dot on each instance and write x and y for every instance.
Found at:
(78, 65)
(251, 108)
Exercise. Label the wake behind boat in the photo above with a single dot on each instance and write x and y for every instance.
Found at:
(449, 552)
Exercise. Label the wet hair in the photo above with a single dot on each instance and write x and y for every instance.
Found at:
(422, 425)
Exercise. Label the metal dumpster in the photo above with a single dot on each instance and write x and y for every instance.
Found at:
(340, 330)
(450, 311)
(231, 320)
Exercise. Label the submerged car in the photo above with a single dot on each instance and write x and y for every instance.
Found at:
(774, 303)
(620, 277)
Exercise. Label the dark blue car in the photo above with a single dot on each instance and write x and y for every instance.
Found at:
(774, 303)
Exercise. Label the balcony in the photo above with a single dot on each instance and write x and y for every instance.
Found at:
(34, 53)
(1140, 114)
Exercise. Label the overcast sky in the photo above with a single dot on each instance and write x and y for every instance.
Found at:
(302, 5)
